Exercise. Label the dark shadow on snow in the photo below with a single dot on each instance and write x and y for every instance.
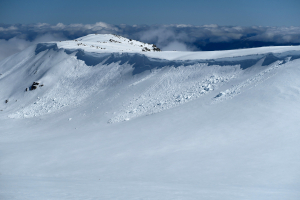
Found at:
(89, 58)
(270, 58)
(294, 57)
(142, 63)
(45, 46)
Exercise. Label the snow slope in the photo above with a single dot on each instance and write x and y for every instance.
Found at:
(117, 122)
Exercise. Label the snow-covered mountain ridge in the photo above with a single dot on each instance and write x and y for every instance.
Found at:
(109, 43)
(70, 73)
(81, 122)
(103, 43)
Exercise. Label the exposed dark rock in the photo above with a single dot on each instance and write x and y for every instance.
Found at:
(146, 49)
(34, 86)
(111, 40)
(156, 48)
(6, 101)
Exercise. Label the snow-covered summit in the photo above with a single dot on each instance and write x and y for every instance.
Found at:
(111, 43)
(103, 43)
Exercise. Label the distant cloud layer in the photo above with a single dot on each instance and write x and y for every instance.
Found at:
(14, 38)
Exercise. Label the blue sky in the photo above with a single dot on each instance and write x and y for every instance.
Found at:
(194, 12)
(213, 24)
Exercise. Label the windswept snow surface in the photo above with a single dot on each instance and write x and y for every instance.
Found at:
(102, 117)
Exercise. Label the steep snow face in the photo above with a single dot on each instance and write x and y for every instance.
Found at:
(64, 81)
(67, 75)
(77, 122)
(107, 43)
